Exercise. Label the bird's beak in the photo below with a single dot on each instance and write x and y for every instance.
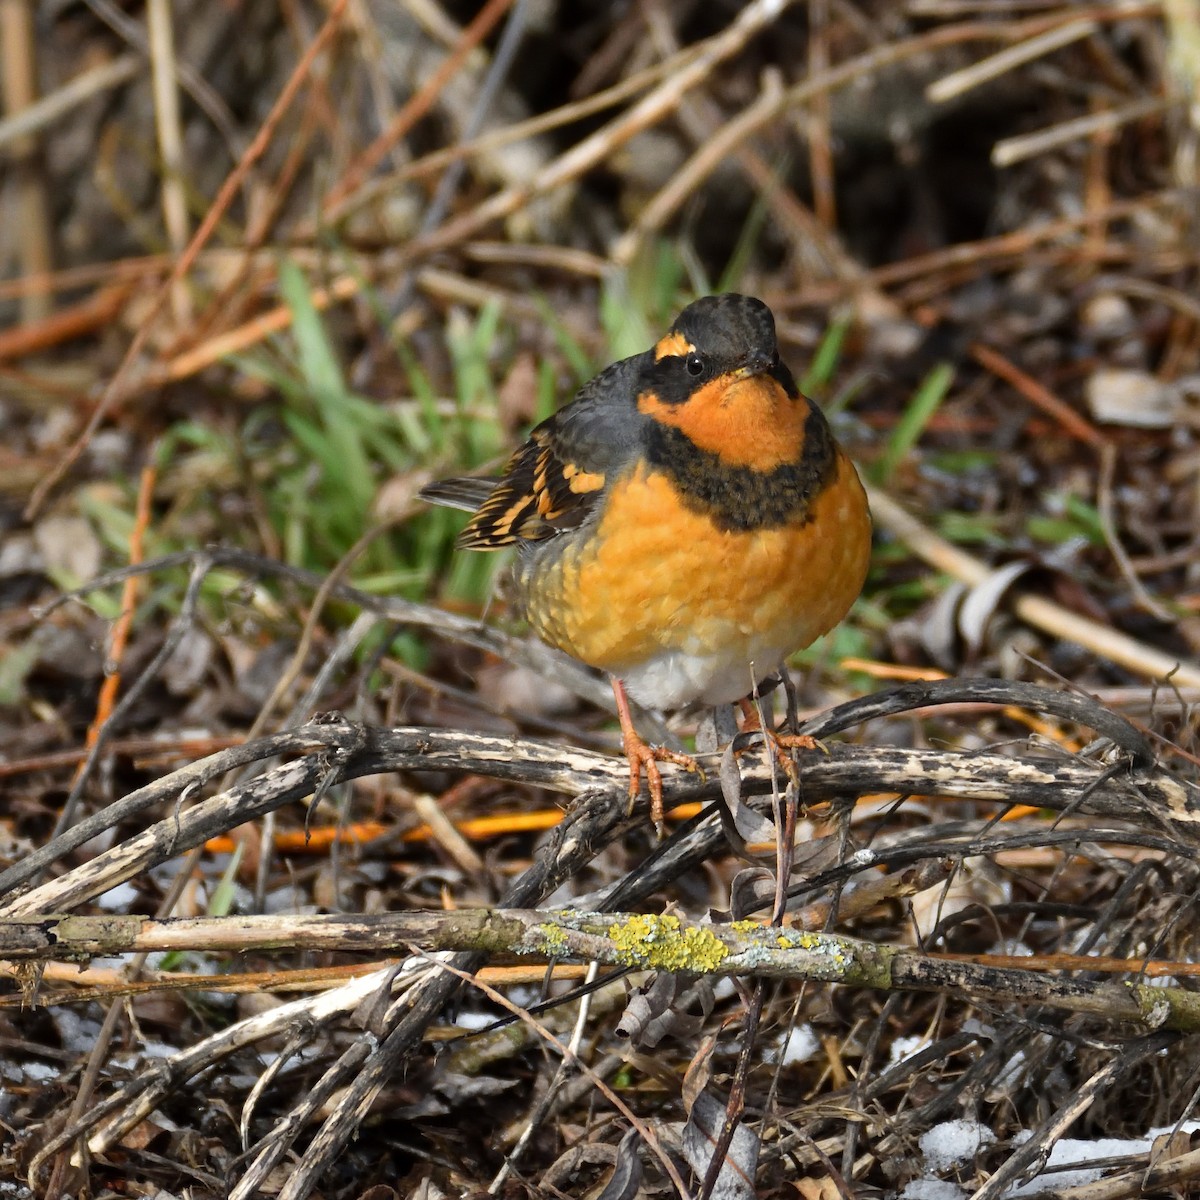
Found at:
(754, 364)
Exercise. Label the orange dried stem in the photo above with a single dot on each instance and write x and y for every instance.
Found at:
(1039, 395)
(124, 622)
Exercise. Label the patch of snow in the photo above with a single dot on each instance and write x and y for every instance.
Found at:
(932, 1189)
(150, 1049)
(1013, 949)
(953, 1142)
(903, 1048)
(1010, 1074)
(108, 962)
(524, 996)
(724, 988)
(77, 1033)
(1070, 1151)
(117, 899)
(799, 1046)
(474, 1020)
(973, 1025)
(288, 900)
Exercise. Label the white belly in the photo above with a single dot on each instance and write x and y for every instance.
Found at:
(673, 679)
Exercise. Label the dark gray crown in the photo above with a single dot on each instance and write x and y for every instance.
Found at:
(728, 326)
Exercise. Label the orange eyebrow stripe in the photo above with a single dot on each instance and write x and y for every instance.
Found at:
(673, 344)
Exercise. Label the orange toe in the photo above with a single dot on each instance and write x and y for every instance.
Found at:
(640, 754)
(781, 742)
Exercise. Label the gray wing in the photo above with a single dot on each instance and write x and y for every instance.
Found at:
(553, 482)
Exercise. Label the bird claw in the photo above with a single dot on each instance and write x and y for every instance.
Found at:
(641, 754)
(783, 742)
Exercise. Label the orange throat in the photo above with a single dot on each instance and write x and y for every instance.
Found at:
(750, 422)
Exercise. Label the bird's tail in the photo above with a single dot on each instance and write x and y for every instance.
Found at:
(468, 494)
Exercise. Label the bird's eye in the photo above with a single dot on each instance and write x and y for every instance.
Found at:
(695, 364)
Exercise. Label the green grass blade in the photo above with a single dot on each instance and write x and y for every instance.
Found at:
(819, 375)
(916, 416)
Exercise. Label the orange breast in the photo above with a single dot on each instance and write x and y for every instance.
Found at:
(654, 577)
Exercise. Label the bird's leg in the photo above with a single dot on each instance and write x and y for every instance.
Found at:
(641, 754)
(781, 741)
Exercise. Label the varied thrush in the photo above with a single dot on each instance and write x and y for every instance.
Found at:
(684, 524)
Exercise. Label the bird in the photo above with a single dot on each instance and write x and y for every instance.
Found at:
(684, 523)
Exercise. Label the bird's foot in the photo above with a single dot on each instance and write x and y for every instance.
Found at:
(641, 754)
(782, 743)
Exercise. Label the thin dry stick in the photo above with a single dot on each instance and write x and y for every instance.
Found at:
(103, 731)
(736, 1104)
(127, 270)
(257, 329)
(239, 291)
(1160, 1177)
(77, 985)
(447, 187)
(950, 87)
(569, 1062)
(100, 1050)
(754, 17)
(1009, 151)
(820, 144)
(1146, 289)
(496, 139)
(1108, 525)
(137, 1099)
(18, 45)
(332, 581)
(739, 128)
(161, 36)
(129, 593)
(115, 389)
(1042, 614)
(1031, 1153)
(206, 97)
(702, 118)
(76, 320)
(344, 287)
(978, 254)
(568, 259)
(418, 105)
(684, 182)
(522, 651)
(647, 1133)
(36, 116)
(700, 165)
(1038, 394)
